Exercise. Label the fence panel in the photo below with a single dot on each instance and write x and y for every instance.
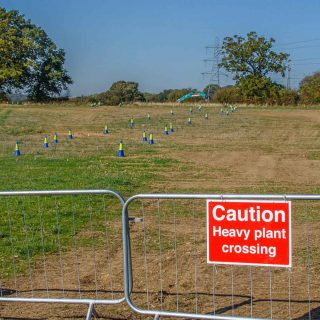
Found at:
(61, 246)
(171, 276)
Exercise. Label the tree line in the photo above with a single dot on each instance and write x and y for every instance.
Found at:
(31, 63)
(122, 92)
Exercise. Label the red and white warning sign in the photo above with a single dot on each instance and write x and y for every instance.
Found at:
(249, 232)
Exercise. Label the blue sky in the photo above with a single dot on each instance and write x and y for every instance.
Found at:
(161, 44)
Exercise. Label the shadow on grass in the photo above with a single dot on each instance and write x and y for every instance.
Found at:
(313, 314)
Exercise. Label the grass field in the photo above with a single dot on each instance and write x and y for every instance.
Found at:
(253, 150)
(256, 150)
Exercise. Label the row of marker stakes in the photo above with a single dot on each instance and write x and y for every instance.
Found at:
(144, 135)
(144, 138)
(106, 131)
(45, 142)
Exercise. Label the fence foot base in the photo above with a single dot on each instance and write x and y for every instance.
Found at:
(91, 312)
(156, 317)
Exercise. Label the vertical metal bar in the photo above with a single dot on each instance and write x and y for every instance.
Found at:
(59, 244)
(270, 292)
(43, 248)
(195, 257)
(27, 241)
(251, 292)
(93, 246)
(176, 254)
(12, 248)
(160, 253)
(308, 264)
(214, 289)
(232, 290)
(75, 244)
(289, 293)
(127, 261)
(145, 253)
(1, 286)
(107, 235)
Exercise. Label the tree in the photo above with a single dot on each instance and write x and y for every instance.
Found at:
(126, 91)
(252, 56)
(255, 89)
(29, 60)
(230, 94)
(250, 61)
(288, 97)
(14, 51)
(148, 96)
(49, 78)
(122, 92)
(163, 96)
(310, 89)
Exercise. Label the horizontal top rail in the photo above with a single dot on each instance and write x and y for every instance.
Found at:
(165, 195)
(227, 196)
(60, 193)
(62, 300)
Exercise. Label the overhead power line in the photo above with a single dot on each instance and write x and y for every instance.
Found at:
(284, 45)
(306, 64)
(295, 42)
(303, 47)
(305, 59)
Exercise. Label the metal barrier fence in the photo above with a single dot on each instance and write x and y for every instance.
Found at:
(171, 277)
(61, 247)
